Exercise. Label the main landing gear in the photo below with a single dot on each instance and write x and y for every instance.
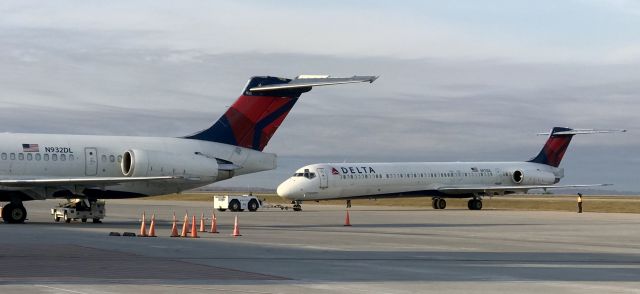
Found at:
(438, 203)
(475, 204)
(349, 203)
(14, 213)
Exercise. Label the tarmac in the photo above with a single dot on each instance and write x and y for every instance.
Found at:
(386, 250)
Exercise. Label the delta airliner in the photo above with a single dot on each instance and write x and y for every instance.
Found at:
(42, 166)
(438, 180)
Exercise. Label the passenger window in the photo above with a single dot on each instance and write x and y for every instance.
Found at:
(112, 158)
(70, 157)
(20, 156)
(119, 158)
(4, 156)
(46, 157)
(63, 157)
(54, 157)
(104, 158)
(38, 156)
(29, 156)
(12, 156)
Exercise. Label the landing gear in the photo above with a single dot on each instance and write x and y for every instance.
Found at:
(475, 204)
(14, 213)
(349, 203)
(297, 205)
(438, 203)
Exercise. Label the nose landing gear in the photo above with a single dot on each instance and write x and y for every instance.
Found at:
(297, 205)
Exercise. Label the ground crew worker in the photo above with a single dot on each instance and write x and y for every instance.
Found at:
(579, 203)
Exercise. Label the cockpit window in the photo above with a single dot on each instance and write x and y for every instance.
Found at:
(307, 175)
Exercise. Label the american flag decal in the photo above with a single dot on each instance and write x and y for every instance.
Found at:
(30, 148)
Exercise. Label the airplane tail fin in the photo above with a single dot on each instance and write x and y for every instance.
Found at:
(262, 107)
(558, 142)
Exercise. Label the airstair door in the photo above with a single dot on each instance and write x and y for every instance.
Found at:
(91, 161)
(324, 180)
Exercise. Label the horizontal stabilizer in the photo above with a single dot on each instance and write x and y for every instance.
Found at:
(583, 131)
(305, 81)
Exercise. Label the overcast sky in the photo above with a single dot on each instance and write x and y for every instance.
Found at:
(460, 80)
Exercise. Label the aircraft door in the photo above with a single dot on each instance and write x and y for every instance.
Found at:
(324, 180)
(91, 161)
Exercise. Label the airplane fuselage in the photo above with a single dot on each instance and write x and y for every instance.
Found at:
(377, 180)
(195, 163)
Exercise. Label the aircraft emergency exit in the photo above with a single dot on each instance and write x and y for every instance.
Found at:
(438, 180)
(41, 166)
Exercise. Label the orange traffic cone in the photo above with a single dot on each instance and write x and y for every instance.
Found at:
(236, 228)
(202, 229)
(347, 221)
(143, 230)
(152, 226)
(194, 232)
(174, 227)
(185, 225)
(214, 224)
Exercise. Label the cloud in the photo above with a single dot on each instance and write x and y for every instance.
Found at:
(445, 93)
(467, 31)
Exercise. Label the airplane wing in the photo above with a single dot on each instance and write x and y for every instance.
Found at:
(85, 181)
(305, 81)
(519, 188)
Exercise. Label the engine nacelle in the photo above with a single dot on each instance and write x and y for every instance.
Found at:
(533, 177)
(144, 163)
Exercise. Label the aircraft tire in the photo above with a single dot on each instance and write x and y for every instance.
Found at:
(434, 203)
(14, 213)
(96, 221)
(84, 220)
(67, 219)
(474, 204)
(297, 207)
(442, 204)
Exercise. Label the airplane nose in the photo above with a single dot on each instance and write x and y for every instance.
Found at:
(284, 190)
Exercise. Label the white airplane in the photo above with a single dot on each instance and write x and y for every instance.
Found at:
(439, 180)
(42, 166)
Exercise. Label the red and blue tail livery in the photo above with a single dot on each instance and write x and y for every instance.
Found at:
(264, 104)
(557, 144)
